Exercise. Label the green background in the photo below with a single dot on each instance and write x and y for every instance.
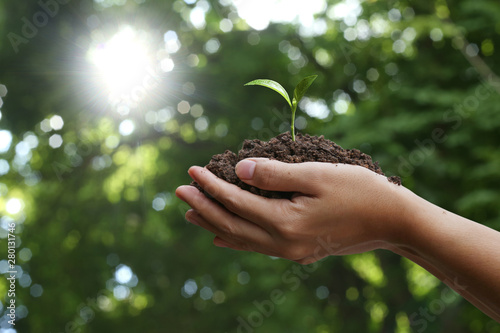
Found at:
(425, 108)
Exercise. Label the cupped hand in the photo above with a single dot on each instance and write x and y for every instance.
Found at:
(336, 209)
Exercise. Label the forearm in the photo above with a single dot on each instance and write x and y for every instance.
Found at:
(463, 254)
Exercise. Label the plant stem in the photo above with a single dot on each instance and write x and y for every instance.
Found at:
(294, 108)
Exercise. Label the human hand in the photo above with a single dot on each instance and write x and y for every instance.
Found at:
(336, 209)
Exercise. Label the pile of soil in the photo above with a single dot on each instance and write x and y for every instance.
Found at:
(306, 148)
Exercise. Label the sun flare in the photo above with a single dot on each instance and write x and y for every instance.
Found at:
(122, 62)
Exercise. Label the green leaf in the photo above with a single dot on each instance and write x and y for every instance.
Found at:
(271, 85)
(302, 87)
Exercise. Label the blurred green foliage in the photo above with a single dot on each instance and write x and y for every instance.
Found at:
(102, 241)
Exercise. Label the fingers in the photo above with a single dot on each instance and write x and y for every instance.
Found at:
(219, 242)
(214, 218)
(260, 210)
(278, 176)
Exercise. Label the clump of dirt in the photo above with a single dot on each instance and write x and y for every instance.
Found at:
(306, 148)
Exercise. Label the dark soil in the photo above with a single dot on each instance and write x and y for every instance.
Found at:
(306, 148)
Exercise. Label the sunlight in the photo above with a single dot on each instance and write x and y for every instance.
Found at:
(123, 64)
(347, 10)
(260, 13)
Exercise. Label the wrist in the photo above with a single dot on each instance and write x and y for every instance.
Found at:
(398, 218)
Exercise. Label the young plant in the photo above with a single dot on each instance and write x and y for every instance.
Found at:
(298, 93)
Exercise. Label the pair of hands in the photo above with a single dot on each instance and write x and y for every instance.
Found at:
(341, 209)
(336, 209)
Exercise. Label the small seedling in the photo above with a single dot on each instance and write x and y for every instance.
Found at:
(298, 93)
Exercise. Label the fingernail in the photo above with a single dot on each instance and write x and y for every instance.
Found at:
(245, 169)
(191, 219)
(192, 172)
(186, 191)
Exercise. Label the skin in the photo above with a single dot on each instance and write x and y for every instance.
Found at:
(340, 209)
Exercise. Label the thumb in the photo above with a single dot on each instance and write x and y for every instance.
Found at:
(274, 175)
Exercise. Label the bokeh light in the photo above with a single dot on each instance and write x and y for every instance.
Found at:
(126, 127)
(36, 290)
(5, 140)
(56, 122)
(322, 292)
(121, 292)
(4, 167)
(55, 141)
(123, 274)
(189, 289)
(14, 206)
